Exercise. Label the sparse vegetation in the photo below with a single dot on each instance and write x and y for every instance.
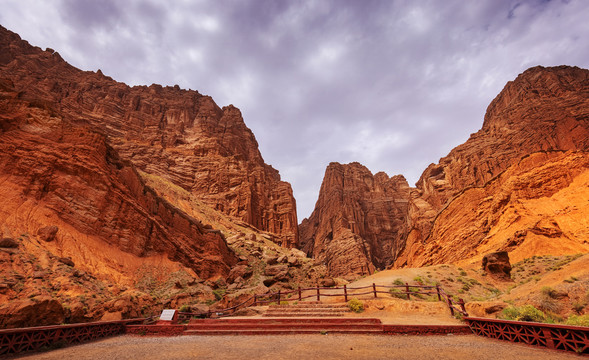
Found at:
(356, 305)
(581, 320)
(398, 282)
(524, 313)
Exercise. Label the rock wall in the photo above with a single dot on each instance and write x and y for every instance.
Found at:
(542, 110)
(464, 205)
(176, 134)
(358, 220)
(50, 169)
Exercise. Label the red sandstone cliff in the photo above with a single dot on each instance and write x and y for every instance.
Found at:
(178, 135)
(503, 189)
(358, 220)
(543, 109)
(57, 174)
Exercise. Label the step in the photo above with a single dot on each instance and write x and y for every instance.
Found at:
(293, 320)
(299, 314)
(280, 332)
(302, 326)
(294, 309)
(305, 313)
(313, 306)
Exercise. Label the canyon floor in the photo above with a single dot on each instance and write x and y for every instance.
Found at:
(329, 346)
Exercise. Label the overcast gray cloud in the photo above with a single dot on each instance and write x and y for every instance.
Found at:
(394, 85)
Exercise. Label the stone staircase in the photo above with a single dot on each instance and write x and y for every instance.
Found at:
(307, 309)
(276, 326)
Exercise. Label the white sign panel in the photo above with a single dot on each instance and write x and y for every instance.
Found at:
(168, 314)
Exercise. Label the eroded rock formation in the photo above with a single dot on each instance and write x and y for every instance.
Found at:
(178, 135)
(358, 220)
(503, 189)
(497, 265)
(52, 171)
(544, 111)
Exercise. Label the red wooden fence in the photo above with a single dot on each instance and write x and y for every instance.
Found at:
(347, 293)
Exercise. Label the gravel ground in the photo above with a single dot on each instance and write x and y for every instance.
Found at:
(306, 347)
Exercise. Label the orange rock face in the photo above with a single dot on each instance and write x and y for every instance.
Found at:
(358, 220)
(541, 114)
(49, 167)
(511, 187)
(179, 135)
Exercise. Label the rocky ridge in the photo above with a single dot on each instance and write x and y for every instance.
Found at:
(178, 135)
(358, 220)
(533, 145)
(543, 110)
(117, 200)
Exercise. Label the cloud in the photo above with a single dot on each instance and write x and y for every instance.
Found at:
(393, 85)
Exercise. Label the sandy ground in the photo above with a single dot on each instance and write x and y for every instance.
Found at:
(306, 347)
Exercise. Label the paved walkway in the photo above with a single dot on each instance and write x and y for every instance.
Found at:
(305, 347)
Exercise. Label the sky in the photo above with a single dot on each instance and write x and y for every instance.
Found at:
(394, 85)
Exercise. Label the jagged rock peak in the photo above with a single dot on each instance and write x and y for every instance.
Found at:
(357, 219)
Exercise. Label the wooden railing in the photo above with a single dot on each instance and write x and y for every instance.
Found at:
(558, 337)
(316, 293)
(14, 341)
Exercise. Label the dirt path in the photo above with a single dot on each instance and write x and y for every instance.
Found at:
(306, 347)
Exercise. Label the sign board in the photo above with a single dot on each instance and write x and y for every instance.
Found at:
(168, 315)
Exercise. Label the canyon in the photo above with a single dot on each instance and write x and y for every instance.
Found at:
(503, 189)
(118, 200)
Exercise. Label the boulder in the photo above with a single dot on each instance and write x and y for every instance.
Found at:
(269, 282)
(66, 260)
(497, 265)
(239, 271)
(38, 311)
(327, 282)
(8, 243)
(47, 233)
(276, 270)
(271, 259)
(294, 261)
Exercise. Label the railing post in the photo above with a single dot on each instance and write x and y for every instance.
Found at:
(345, 293)
(300, 298)
(548, 338)
(318, 295)
(374, 289)
(407, 291)
(278, 297)
(450, 305)
(255, 300)
(438, 291)
(461, 303)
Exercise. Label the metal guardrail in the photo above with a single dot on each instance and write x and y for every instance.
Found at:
(557, 337)
(14, 341)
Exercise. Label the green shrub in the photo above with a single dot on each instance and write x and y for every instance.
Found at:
(398, 282)
(523, 313)
(548, 291)
(578, 307)
(398, 293)
(418, 280)
(581, 320)
(184, 308)
(356, 305)
(219, 293)
(462, 273)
